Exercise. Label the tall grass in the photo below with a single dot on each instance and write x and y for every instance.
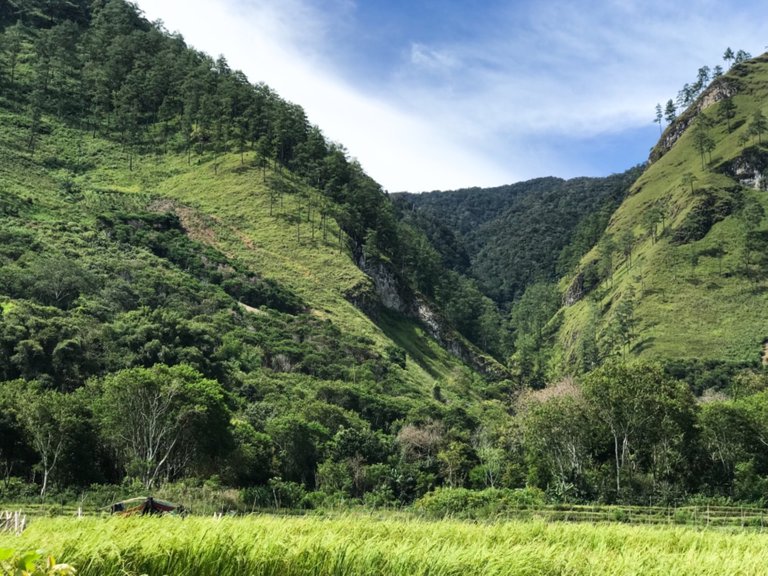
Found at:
(284, 546)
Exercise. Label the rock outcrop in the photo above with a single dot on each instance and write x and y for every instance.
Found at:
(386, 290)
(720, 89)
(750, 168)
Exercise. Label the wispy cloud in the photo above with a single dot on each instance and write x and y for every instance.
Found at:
(426, 58)
(482, 98)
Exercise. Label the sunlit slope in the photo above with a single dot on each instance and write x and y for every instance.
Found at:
(282, 235)
(699, 290)
(235, 203)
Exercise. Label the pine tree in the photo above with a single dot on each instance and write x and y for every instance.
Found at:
(728, 56)
(702, 140)
(758, 125)
(670, 112)
(727, 111)
(659, 116)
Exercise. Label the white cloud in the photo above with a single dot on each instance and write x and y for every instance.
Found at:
(400, 150)
(463, 113)
(432, 60)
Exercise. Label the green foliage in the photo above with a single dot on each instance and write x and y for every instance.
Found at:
(516, 235)
(488, 503)
(712, 206)
(32, 564)
(649, 416)
(176, 242)
(163, 421)
(164, 236)
(529, 319)
(758, 125)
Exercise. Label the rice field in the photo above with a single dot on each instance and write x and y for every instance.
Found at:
(287, 546)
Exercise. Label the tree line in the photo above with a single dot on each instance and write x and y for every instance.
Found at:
(691, 91)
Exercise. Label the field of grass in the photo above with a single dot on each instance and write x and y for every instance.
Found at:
(288, 546)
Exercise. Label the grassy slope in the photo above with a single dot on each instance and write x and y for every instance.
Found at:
(689, 305)
(228, 209)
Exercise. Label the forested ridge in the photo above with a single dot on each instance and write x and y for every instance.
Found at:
(512, 236)
(180, 245)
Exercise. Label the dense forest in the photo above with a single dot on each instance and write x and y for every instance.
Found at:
(510, 237)
(143, 341)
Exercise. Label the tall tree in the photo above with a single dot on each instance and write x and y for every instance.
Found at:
(670, 111)
(557, 427)
(639, 405)
(688, 179)
(702, 139)
(741, 56)
(606, 249)
(702, 80)
(11, 44)
(626, 242)
(758, 125)
(751, 216)
(659, 116)
(624, 320)
(651, 219)
(48, 418)
(727, 111)
(728, 56)
(685, 96)
(161, 421)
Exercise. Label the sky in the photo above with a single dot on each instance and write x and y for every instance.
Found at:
(446, 94)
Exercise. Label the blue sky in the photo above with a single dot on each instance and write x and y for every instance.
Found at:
(446, 94)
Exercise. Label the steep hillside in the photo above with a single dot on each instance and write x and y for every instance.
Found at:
(172, 234)
(509, 237)
(680, 273)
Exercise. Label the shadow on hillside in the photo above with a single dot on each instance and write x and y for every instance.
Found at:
(408, 336)
(74, 165)
(643, 344)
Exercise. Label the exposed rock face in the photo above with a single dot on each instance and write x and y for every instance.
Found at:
(750, 168)
(720, 89)
(389, 292)
(575, 291)
(386, 285)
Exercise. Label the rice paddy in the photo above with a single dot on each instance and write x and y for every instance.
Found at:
(352, 545)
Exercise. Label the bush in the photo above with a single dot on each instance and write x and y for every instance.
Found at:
(488, 503)
(14, 489)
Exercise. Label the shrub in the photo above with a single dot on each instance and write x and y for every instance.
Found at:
(32, 564)
(488, 503)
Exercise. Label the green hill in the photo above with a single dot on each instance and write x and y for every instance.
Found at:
(680, 273)
(199, 292)
(163, 221)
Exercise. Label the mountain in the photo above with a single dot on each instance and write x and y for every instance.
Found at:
(199, 291)
(171, 229)
(510, 237)
(680, 273)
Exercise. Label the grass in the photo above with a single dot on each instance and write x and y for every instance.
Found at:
(349, 545)
(690, 304)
